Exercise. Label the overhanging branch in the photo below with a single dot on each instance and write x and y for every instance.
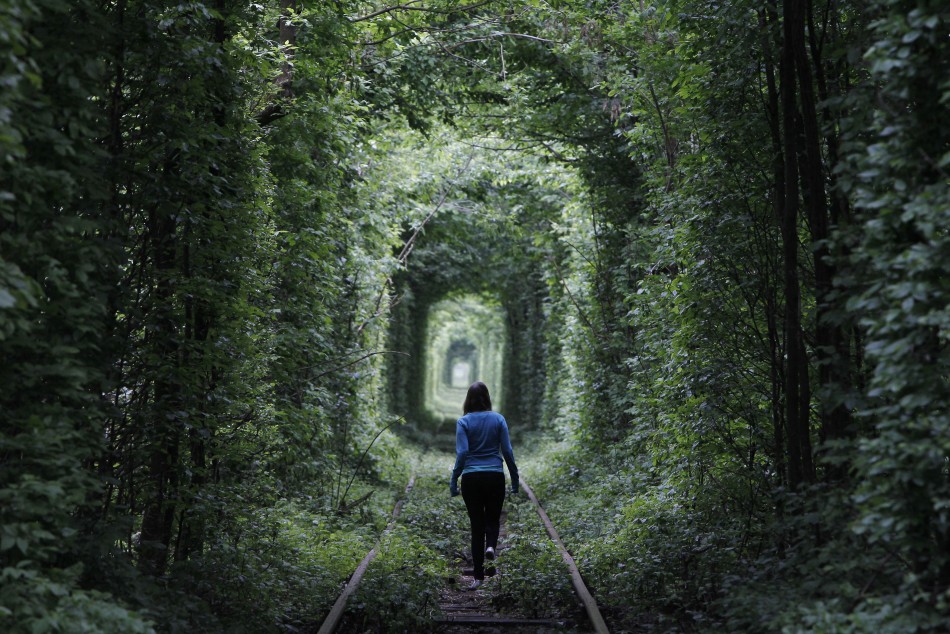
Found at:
(411, 7)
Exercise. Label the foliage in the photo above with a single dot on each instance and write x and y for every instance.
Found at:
(286, 560)
(32, 602)
(55, 273)
(178, 373)
(484, 240)
(400, 591)
(532, 579)
(716, 232)
(897, 295)
(710, 445)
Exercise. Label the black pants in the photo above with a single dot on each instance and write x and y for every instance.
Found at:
(484, 495)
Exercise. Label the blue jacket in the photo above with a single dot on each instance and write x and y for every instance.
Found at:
(481, 439)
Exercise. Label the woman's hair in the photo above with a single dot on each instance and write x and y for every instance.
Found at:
(477, 399)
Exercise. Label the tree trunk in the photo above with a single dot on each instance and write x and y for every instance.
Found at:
(769, 17)
(833, 345)
(159, 506)
(796, 371)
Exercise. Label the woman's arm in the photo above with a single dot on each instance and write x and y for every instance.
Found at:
(461, 452)
(509, 455)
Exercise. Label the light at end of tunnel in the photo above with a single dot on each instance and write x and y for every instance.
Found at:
(465, 343)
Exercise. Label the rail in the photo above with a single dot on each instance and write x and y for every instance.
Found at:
(593, 612)
(336, 612)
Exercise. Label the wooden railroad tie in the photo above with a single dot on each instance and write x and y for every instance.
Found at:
(502, 621)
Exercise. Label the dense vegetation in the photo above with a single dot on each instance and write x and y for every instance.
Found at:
(717, 232)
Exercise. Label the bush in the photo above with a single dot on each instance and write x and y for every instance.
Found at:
(287, 562)
(35, 603)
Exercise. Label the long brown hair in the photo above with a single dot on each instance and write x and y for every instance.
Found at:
(477, 399)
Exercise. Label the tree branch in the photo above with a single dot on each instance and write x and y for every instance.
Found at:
(348, 363)
(410, 244)
(410, 7)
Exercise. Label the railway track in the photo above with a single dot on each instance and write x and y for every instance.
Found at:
(465, 612)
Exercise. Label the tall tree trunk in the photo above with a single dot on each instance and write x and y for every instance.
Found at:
(768, 17)
(116, 147)
(813, 176)
(832, 341)
(163, 434)
(796, 371)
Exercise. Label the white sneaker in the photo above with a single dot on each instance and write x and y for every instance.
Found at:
(475, 585)
(490, 554)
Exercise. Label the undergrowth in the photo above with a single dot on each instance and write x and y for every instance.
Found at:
(661, 553)
(533, 580)
(286, 553)
(400, 591)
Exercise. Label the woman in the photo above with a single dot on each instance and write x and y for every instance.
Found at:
(481, 439)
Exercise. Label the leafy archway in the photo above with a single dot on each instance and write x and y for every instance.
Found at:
(465, 342)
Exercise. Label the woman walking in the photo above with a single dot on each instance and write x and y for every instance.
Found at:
(481, 439)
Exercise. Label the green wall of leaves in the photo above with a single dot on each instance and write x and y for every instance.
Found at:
(716, 235)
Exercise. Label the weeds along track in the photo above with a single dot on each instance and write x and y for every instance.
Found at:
(415, 578)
